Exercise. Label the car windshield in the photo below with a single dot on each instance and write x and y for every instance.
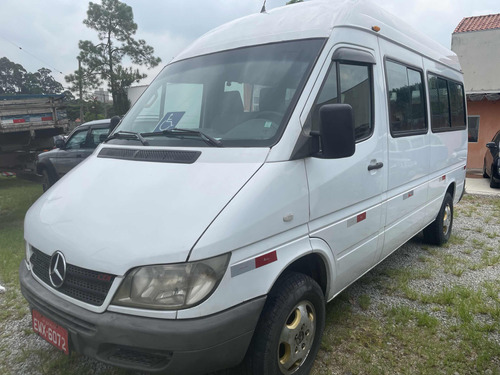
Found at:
(239, 98)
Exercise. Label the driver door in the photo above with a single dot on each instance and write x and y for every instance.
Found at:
(74, 151)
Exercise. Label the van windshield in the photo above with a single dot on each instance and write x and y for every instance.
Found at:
(239, 98)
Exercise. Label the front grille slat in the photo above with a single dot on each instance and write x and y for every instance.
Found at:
(82, 284)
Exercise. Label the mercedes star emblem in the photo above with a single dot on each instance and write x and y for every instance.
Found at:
(57, 269)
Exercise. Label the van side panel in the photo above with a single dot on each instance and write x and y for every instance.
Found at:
(408, 166)
(448, 151)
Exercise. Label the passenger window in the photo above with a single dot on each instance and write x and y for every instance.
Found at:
(438, 94)
(77, 140)
(406, 100)
(447, 104)
(353, 87)
(457, 106)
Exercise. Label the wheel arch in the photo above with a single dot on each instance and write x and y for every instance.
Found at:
(313, 265)
(451, 189)
(47, 165)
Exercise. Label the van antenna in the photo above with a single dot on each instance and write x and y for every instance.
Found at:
(263, 10)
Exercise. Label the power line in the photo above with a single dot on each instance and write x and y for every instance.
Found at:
(32, 55)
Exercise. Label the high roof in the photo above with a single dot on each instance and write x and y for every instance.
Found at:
(316, 19)
(488, 22)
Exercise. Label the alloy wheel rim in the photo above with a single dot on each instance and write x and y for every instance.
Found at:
(297, 337)
(446, 219)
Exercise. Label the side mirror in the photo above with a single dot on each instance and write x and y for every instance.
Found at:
(115, 120)
(491, 145)
(336, 131)
(59, 143)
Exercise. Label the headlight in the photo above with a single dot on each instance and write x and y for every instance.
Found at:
(171, 286)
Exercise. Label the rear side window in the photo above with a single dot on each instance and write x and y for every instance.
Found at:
(348, 84)
(447, 101)
(406, 100)
(457, 105)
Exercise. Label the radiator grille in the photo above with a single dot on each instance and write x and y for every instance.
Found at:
(82, 284)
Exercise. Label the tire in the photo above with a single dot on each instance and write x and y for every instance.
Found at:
(289, 331)
(439, 231)
(485, 175)
(493, 184)
(47, 181)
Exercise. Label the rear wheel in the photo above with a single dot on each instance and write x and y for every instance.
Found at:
(439, 231)
(493, 184)
(485, 175)
(289, 331)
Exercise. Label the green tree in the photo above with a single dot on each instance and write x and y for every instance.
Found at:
(11, 76)
(47, 83)
(114, 22)
(14, 79)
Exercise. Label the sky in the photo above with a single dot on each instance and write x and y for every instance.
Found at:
(48, 31)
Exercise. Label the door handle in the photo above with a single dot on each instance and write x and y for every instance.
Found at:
(378, 165)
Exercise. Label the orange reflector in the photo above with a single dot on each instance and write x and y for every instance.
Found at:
(376, 28)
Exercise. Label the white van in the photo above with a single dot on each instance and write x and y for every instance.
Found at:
(269, 166)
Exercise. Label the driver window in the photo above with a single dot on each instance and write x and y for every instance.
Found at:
(348, 83)
(77, 140)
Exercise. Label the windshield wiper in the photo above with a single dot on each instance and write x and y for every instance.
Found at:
(179, 131)
(128, 135)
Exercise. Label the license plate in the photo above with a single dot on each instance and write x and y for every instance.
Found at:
(50, 331)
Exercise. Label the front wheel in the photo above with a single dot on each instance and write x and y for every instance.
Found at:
(288, 334)
(438, 232)
(46, 180)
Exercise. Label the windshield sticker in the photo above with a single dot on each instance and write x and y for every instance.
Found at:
(268, 124)
(169, 121)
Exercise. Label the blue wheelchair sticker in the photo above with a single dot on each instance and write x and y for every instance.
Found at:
(169, 121)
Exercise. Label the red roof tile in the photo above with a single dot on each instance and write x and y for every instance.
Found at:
(491, 21)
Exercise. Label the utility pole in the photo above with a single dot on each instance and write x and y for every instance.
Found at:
(80, 87)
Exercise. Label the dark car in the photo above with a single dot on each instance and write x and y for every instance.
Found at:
(52, 165)
(491, 166)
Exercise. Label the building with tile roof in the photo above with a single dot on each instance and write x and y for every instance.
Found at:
(489, 22)
(476, 41)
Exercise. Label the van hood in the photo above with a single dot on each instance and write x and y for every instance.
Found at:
(112, 215)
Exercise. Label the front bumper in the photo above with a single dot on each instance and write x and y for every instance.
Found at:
(191, 346)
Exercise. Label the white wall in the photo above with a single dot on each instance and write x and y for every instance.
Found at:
(479, 55)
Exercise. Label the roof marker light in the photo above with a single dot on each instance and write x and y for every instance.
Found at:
(376, 29)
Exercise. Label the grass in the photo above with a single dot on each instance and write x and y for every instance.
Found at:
(16, 196)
